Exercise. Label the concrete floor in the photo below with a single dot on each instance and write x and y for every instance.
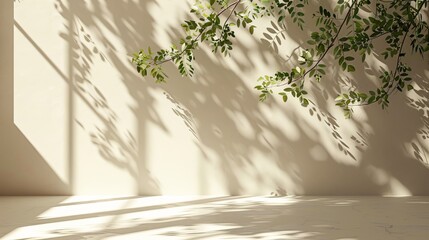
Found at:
(268, 218)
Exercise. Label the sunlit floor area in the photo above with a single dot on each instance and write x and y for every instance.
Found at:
(164, 217)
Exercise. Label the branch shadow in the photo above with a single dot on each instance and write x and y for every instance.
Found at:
(315, 152)
(259, 218)
(313, 162)
(122, 148)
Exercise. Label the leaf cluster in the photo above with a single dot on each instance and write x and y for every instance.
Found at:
(347, 32)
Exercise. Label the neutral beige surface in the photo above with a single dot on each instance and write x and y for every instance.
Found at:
(77, 119)
(262, 218)
(23, 169)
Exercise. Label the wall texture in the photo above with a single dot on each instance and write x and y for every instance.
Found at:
(77, 119)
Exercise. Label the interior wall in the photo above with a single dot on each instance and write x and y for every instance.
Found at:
(77, 119)
(23, 171)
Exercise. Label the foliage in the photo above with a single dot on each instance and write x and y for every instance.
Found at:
(348, 30)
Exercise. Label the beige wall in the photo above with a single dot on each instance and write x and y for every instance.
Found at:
(77, 119)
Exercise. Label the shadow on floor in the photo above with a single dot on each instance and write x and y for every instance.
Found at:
(268, 218)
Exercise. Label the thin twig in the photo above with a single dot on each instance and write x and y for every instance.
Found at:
(199, 35)
(227, 19)
(327, 49)
(333, 40)
(390, 89)
(232, 11)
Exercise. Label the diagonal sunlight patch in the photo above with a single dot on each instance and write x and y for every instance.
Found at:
(262, 218)
(32, 108)
(130, 217)
(121, 206)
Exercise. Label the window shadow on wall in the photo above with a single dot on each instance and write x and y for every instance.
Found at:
(84, 50)
(23, 170)
(375, 160)
(369, 157)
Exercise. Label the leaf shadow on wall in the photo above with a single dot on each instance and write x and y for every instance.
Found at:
(315, 153)
(385, 156)
(384, 166)
(121, 147)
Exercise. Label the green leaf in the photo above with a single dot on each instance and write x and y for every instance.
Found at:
(285, 97)
(252, 29)
(350, 68)
(339, 98)
(304, 102)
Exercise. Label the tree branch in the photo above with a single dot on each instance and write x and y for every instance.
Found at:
(327, 49)
(390, 89)
(332, 42)
(234, 4)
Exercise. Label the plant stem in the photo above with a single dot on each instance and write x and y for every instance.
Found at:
(234, 4)
(390, 89)
(327, 49)
(332, 42)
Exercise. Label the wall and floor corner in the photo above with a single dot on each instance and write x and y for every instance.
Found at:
(77, 119)
(23, 170)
